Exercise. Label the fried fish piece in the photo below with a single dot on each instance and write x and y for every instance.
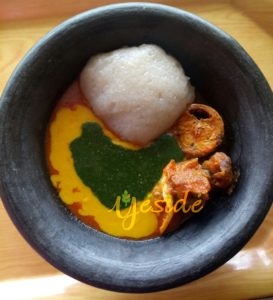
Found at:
(187, 176)
(193, 179)
(180, 180)
(199, 130)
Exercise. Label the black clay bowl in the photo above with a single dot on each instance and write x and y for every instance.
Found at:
(224, 75)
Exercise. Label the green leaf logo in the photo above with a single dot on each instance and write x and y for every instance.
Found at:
(126, 198)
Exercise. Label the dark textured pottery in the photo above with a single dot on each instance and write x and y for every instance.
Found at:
(224, 75)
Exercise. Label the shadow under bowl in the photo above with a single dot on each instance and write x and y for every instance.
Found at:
(224, 75)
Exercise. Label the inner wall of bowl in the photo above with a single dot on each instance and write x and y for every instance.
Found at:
(215, 67)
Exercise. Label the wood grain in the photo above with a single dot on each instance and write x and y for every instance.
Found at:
(23, 273)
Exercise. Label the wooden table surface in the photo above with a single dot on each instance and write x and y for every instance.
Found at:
(23, 273)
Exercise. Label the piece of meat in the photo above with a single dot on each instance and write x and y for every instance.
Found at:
(199, 130)
(219, 166)
(194, 180)
(187, 176)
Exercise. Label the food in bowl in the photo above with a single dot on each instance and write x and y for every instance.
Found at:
(228, 80)
(128, 151)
